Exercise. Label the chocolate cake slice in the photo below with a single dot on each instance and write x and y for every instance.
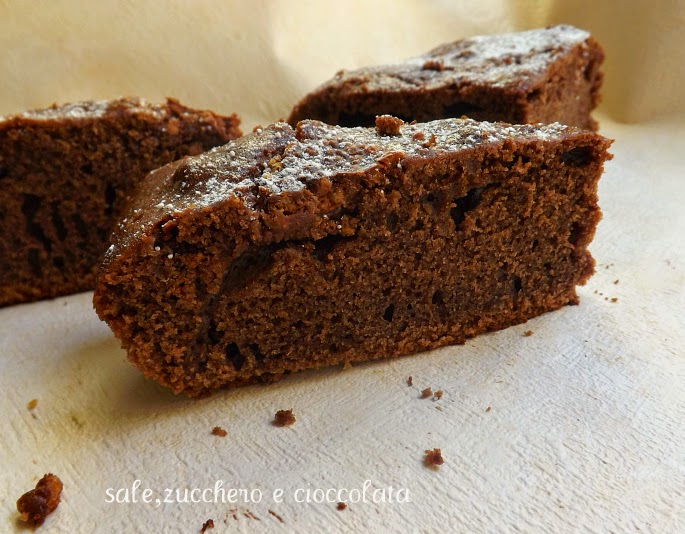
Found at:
(292, 249)
(65, 173)
(545, 75)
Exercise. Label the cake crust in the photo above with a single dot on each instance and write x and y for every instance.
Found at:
(291, 249)
(545, 75)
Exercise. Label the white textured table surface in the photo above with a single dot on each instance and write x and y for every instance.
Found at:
(585, 430)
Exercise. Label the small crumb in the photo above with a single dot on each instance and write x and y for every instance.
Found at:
(347, 365)
(284, 418)
(439, 408)
(418, 136)
(428, 392)
(434, 64)
(615, 282)
(207, 525)
(528, 333)
(614, 299)
(341, 506)
(410, 381)
(218, 431)
(487, 410)
(35, 505)
(31, 405)
(170, 256)
(438, 394)
(433, 458)
(276, 516)
(388, 125)
(431, 142)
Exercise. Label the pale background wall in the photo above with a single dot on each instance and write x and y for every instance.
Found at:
(258, 57)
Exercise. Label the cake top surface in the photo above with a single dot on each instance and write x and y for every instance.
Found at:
(90, 109)
(507, 60)
(279, 159)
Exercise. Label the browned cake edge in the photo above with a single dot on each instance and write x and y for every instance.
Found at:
(424, 247)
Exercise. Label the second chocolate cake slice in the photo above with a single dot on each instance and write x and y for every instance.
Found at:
(544, 75)
(291, 249)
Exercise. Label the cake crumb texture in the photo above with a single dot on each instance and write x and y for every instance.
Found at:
(35, 505)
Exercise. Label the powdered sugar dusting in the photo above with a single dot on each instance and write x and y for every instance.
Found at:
(91, 109)
(280, 160)
(496, 60)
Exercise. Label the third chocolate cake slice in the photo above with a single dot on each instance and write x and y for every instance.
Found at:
(544, 75)
(291, 249)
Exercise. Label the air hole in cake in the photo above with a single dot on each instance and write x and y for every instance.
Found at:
(459, 109)
(29, 208)
(578, 156)
(391, 221)
(110, 196)
(333, 347)
(575, 234)
(464, 204)
(58, 262)
(58, 223)
(234, 356)
(3, 172)
(535, 245)
(297, 325)
(433, 200)
(515, 290)
(256, 352)
(34, 262)
(437, 298)
(325, 246)
(533, 95)
(389, 312)
(213, 335)
(438, 301)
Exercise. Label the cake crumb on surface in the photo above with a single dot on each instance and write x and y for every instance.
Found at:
(410, 381)
(433, 458)
(218, 431)
(207, 525)
(487, 410)
(388, 125)
(528, 333)
(615, 282)
(428, 392)
(614, 299)
(35, 505)
(32, 404)
(438, 394)
(341, 506)
(284, 418)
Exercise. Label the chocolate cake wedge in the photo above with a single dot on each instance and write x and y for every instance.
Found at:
(65, 175)
(544, 75)
(293, 249)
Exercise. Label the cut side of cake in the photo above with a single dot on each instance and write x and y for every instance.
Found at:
(66, 173)
(545, 75)
(292, 249)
